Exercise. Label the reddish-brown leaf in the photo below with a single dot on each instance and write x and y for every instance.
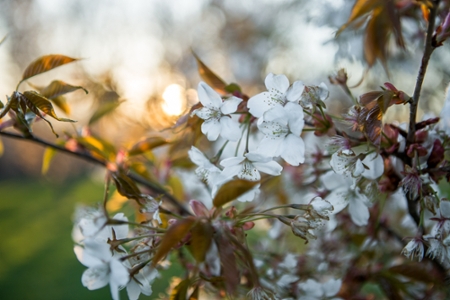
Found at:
(46, 63)
(210, 77)
(228, 262)
(201, 239)
(173, 236)
(417, 271)
(360, 9)
(232, 190)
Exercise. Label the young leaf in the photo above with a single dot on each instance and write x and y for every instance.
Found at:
(176, 186)
(125, 186)
(1, 147)
(57, 88)
(12, 103)
(1, 104)
(39, 101)
(103, 110)
(98, 146)
(360, 9)
(147, 144)
(210, 77)
(228, 261)
(61, 102)
(46, 63)
(173, 236)
(201, 239)
(180, 291)
(231, 190)
(49, 153)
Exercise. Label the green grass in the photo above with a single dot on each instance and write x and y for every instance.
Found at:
(36, 248)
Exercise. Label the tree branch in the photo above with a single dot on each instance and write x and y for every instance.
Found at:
(429, 48)
(87, 157)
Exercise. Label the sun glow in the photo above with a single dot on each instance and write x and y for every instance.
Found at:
(174, 100)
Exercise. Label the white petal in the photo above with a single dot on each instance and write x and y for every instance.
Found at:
(119, 273)
(85, 258)
(231, 171)
(323, 91)
(257, 157)
(259, 104)
(312, 288)
(133, 290)
(95, 277)
(359, 168)
(270, 146)
(332, 181)
(249, 172)
(359, 212)
(232, 161)
(273, 130)
(375, 164)
(230, 105)
(279, 83)
(229, 129)
(114, 290)
(205, 113)
(293, 150)
(332, 287)
(120, 230)
(271, 167)
(98, 249)
(295, 118)
(250, 195)
(198, 158)
(339, 198)
(208, 97)
(211, 128)
(276, 114)
(295, 91)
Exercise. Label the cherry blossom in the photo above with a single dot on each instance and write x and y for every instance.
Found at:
(216, 112)
(249, 166)
(103, 267)
(282, 127)
(278, 92)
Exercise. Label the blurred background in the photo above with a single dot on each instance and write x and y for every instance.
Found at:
(139, 53)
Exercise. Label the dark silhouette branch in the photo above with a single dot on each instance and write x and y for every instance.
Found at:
(429, 48)
(87, 157)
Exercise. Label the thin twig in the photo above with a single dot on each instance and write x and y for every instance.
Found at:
(429, 48)
(85, 156)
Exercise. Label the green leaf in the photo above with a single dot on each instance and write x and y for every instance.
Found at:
(1, 104)
(233, 87)
(202, 234)
(43, 104)
(46, 63)
(180, 291)
(125, 186)
(98, 146)
(49, 153)
(232, 190)
(147, 144)
(210, 77)
(173, 236)
(103, 110)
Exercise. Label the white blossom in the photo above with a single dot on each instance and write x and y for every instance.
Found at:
(215, 114)
(278, 92)
(314, 290)
(141, 283)
(414, 248)
(206, 171)
(103, 267)
(248, 166)
(282, 127)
